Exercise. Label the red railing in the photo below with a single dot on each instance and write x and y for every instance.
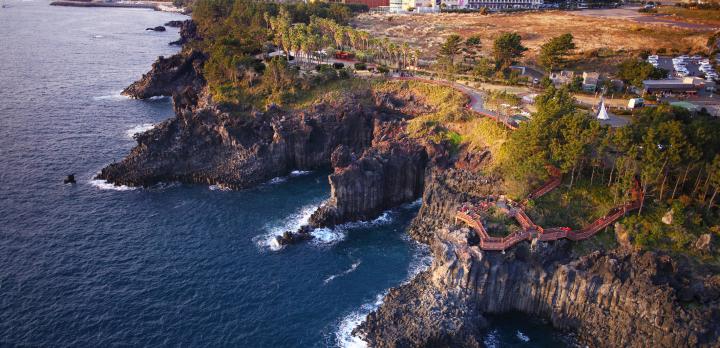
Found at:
(530, 230)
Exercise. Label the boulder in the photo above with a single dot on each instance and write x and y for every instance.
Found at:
(158, 28)
(704, 243)
(668, 217)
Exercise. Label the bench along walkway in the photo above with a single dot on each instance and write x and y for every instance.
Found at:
(529, 230)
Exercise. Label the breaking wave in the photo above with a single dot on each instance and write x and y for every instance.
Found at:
(290, 223)
(343, 336)
(352, 268)
(141, 128)
(491, 340)
(282, 179)
(521, 336)
(104, 185)
(116, 95)
(219, 187)
(327, 236)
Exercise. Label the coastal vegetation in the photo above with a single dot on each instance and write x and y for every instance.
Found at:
(666, 151)
(666, 156)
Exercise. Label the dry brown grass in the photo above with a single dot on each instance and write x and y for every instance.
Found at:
(594, 36)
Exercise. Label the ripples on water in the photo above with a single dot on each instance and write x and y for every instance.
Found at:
(97, 265)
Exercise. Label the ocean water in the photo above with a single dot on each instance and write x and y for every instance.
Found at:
(92, 265)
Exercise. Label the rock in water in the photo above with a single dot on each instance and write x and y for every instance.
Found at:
(174, 24)
(70, 179)
(158, 28)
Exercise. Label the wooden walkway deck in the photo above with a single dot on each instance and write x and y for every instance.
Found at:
(529, 230)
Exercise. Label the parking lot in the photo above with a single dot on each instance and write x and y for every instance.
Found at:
(690, 65)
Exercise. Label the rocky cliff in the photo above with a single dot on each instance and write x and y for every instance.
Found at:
(389, 173)
(203, 144)
(169, 76)
(447, 187)
(610, 299)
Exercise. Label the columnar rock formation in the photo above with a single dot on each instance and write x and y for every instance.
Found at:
(389, 173)
(611, 299)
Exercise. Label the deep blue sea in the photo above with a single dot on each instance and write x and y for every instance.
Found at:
(90, 265)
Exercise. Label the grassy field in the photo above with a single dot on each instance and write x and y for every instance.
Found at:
(599, 40)
(692, 15)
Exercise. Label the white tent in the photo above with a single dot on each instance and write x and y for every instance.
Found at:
(602, 111)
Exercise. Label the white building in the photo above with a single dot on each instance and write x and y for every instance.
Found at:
(505, 4)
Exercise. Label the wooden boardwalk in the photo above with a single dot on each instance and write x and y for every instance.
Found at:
(529, 230)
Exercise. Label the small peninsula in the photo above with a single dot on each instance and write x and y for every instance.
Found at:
(539, 195)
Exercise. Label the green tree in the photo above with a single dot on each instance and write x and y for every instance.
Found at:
(448, 51)
(634, 71)
(451, 47)
(340, 13)
(553, 53)
(506, 48)
(484, 68)
(279, 81)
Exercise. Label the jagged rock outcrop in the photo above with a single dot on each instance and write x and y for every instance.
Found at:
(389, 173)
(176, 23)
(188, 32)
(203, 144)
(610, 299)
(447, 188)
(169, 76)
(158, 28)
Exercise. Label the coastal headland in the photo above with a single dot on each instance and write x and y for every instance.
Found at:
(155, 5)
(247, 112)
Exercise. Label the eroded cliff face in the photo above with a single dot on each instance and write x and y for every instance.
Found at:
(203, 144)
(388, 173)
(610, 299)
(169, 76)
(447, 187)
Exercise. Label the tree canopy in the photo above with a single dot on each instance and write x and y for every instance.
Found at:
(506, 48)
(553, 53)
(634, 72)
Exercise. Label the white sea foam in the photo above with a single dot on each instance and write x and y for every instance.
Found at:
(330, 236)
(104, 185)
(218, 187)
(521, 336)
(352, 268)
(277, 180)
(421, 261)
(141, 128)
(300, 172)
(327, 236)
(290, 223)
(491, 339)
(98, 36)
(343, 336)
(158, 97)
(281, 179)
(412, 205)
(116, 95)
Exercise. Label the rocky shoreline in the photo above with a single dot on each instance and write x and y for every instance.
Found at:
(609, 298)
(153, 5)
